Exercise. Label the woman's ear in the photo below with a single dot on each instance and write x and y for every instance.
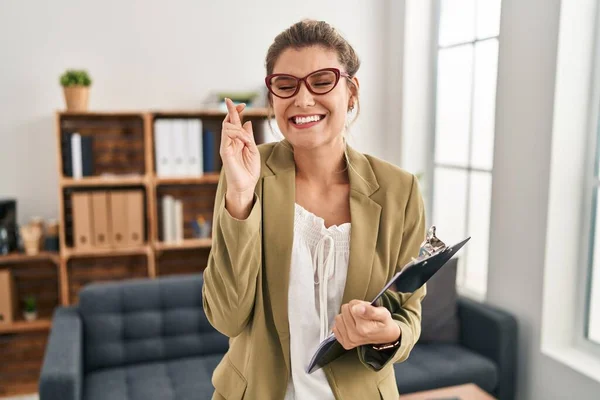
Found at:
(353, 89)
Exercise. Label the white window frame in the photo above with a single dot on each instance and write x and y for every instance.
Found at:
(575, 124)
(462, 288)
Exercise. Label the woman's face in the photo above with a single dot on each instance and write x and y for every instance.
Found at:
(308, 120)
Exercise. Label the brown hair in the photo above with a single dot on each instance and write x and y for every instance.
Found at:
(307, 33)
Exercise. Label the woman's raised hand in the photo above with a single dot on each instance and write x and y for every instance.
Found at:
(241, 159)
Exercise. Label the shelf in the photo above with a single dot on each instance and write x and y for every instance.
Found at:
(99, 113)
(22, 258)
(210, 177)
(103, 181)
(106, 252)
(250, 112)
(185, 244)
(26, 326)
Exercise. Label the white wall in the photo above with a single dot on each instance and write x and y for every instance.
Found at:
(152, 54)
(524, 116)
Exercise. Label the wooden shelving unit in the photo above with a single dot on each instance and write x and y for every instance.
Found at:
(107, 252)
(132, 132)
(26, 326)
(192, 180)
(125, 156)
(113, 181)
(19, 258)
(186, 244)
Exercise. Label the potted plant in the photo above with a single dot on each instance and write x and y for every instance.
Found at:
(30, 310)
(76, 86)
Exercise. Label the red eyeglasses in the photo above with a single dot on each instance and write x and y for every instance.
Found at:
(318, 82)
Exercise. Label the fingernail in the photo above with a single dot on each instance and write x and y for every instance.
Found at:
(359, 309)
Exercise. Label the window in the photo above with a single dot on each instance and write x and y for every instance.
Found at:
(467, 55)
(572, 267)
(592, 286)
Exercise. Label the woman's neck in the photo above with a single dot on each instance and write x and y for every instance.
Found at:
(322, 167)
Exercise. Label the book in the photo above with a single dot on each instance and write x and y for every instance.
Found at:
(410, 278)
(87, 155)
(76, 161)
(65, 144)
(168, 219)
(208, 155)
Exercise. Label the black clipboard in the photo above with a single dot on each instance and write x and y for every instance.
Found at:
(410, 278)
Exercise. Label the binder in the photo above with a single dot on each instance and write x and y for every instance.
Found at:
(194, 147)
(83, 237)
(135, 217)
(101, 225)
(8, 298)
(162, 147)
(179, 152)
(118, 218)
(434, 254)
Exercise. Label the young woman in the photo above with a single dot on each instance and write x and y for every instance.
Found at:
(306, 232)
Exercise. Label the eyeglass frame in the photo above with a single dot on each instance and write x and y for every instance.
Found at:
(336, 71)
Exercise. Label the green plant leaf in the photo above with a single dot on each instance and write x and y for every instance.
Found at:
(73, 77)
(30, 303)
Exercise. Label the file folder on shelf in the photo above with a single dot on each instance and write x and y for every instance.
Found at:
(433, 255)
(83, 232)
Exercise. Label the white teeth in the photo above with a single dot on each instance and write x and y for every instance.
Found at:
(305, 120)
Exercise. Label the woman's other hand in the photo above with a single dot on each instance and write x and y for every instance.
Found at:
(361, 323)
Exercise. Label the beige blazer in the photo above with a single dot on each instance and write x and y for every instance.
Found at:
(245, 292)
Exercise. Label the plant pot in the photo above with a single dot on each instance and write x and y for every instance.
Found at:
(30, 316)
(77, 97)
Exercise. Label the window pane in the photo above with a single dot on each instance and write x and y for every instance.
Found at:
(476, 259)
(457, 22)
(453, 105)
(484, 103)
(594, 299)
(449, 204)
(488, 18)
(450, 209)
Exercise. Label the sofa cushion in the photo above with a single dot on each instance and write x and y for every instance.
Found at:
(183, 379)
(146, 320)
(431, 366)
(439, 315)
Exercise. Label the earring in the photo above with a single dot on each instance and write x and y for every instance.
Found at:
(350, 107)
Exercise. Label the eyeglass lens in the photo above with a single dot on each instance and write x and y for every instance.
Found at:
(320, 82)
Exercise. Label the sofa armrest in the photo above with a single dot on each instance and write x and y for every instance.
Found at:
(61, 377)
(492, 333)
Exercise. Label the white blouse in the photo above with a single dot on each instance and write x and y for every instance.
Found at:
(317, 279)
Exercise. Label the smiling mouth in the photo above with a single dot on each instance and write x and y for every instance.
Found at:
(306, 120)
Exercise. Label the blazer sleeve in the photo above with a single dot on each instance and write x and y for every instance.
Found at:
(234, 260)
(404, 307)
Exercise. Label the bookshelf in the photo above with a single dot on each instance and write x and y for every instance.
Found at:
(124, 160)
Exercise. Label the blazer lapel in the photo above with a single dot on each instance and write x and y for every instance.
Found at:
(279, 194)
(365, 214)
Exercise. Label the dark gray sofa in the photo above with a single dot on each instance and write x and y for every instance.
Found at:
(150, 339)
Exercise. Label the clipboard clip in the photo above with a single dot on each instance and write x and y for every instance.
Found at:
(432, 244)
